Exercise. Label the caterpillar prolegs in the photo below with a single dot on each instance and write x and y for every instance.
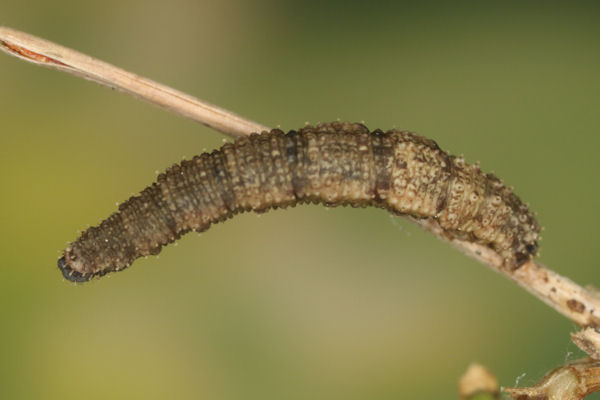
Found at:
(333, 164)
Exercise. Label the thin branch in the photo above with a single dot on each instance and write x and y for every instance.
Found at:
(576, 303)
(48, 54)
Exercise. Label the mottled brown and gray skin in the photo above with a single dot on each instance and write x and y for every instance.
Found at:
(332, 164)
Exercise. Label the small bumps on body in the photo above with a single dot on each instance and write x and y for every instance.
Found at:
(333, 164)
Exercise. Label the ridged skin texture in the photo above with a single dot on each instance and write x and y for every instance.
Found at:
(333, 164)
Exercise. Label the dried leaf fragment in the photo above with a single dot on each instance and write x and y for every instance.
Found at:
(588, 340)
(476, 381)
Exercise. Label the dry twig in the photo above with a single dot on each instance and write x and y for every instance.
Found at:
(48, 54)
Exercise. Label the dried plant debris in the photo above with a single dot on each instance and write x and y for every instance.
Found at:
(588, 340)
(572, 381)
(478, 383)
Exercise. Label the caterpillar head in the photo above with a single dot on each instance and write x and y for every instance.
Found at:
(70, 274)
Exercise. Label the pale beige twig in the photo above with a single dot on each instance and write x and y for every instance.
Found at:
(576, 303)
(48, 54)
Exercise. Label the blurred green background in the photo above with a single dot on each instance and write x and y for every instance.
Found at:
(306, 303)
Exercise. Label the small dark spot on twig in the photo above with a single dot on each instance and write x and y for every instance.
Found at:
(575, 306)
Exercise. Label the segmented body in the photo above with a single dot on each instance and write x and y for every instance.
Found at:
(333, 164)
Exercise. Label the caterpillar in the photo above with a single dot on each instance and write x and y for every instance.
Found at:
(334, 164)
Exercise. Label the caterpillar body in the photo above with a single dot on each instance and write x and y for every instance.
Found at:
(333, 164)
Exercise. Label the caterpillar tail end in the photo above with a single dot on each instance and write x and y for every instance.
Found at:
(70, 274)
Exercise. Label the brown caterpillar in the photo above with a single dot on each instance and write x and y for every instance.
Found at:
(332, 164)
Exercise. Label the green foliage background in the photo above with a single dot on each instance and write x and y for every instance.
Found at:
(308, 303)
